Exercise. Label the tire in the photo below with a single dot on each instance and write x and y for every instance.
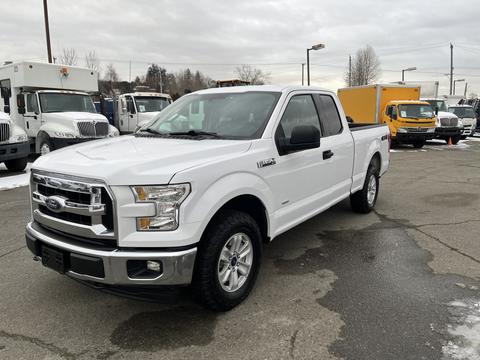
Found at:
(46, 146)
(16, 165)
(226, 229)
(455, 139)
(463, 137)
(418, 144)
(362, 201)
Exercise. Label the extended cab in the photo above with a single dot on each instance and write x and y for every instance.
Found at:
(189, 199)
(410, 121)
(14, 146)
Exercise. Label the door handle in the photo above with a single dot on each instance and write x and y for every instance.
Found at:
(327, 154)
(131, 116)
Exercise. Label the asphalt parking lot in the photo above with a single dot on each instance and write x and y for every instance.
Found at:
(399, 283)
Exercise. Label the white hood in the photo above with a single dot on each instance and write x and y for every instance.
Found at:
(445, 114)
(130, 160)
(74, 115)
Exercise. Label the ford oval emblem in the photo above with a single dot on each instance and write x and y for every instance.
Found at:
(53, 203)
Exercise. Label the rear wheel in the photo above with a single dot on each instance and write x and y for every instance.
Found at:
(228, 260)
(363, 201)
(16, 165)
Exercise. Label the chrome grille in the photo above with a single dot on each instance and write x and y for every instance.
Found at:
(101, 129)
(449, 122)
(76, 207)
(91, 129)
(4, 132)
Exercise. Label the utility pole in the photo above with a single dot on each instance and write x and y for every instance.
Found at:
(451, 68)
(349, 70)
(308, 67)
(47, 30)
(303, 74)
(465, 92)
(130, 71)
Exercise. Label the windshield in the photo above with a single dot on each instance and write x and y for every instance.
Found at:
(415, 111)
(228, 115)
(62, 102)
(462, 112)
(151, 103)
(440, 104)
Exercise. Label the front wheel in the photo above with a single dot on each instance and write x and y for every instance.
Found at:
(455, 139)
(418, 144)
(46, 146)
(363, 201)
(228, 260)
(463, 137)
(16, 165)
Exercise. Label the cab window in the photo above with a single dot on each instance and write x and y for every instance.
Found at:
(130, 105)
(300, 111)
(329, 116)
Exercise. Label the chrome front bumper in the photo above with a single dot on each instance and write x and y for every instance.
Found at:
(177, 266)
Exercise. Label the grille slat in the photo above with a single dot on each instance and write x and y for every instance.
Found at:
(4, 132)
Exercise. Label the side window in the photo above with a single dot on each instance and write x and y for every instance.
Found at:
(130, 105)
(331, 122)
(388, 110)
(300, 111)
(32, 105)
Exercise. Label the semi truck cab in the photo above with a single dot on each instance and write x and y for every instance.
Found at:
(136, 109)
(448, 126)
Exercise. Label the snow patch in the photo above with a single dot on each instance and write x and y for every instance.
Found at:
(14, 181)
(466, 331)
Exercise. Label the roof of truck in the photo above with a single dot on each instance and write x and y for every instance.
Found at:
(401, 102)
(266, 88)
(461, 105)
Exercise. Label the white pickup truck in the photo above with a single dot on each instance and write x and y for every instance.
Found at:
(189, 199)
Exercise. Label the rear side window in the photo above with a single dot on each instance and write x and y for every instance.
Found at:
(329, 117)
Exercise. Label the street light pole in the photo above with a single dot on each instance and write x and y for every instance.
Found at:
(47, 30)
(408, 69)
(314, 47)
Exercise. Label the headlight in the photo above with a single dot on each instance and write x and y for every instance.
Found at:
(20, 138)
(167, 200)
(113, 133)
(460, 124)
(62, 134)
(402, 130)
(430, 130)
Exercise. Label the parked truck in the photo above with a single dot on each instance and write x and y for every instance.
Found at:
(50, 102)
(136, 109)
(410, 120)
(188, 201)
(14, 145)
(467, 115)
(448, 126)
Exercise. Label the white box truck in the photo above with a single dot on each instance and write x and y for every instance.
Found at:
(14, 146)
(134, 110)
(51, 103)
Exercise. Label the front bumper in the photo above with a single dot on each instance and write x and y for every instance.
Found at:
(468, 130)
(412, 137)
(441, 132)
(109, 266)
(14, 151)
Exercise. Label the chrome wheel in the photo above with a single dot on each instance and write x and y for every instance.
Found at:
(371, 190)
(235, 262)
(44, 149)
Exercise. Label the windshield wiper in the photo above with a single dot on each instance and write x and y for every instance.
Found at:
(152, 131)
(195, 133)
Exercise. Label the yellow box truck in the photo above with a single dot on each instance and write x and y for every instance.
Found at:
(410, 120)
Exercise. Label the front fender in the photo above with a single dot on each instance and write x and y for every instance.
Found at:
(205, 204)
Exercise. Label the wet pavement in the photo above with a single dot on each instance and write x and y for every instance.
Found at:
(400, 283)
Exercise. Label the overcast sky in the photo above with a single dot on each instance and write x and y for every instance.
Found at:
(215, 36)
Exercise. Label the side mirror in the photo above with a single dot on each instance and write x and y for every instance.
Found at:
(436, 110)
(6, 109)
(303, 137)
(124, 109)
(21, 104)
(349, 120)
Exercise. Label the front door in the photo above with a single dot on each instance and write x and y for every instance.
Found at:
(132, 114)
(32, 116)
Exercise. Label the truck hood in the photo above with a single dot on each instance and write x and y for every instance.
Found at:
(130, 160)
(74, 115)
(445, 114)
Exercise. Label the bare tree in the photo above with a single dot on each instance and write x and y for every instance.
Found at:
(253, 75)
(110, 73)
(69, 57)
(91, 61)
(365, 67)
(473, 95)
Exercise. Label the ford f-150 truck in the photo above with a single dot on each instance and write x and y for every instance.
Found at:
(191, 196)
